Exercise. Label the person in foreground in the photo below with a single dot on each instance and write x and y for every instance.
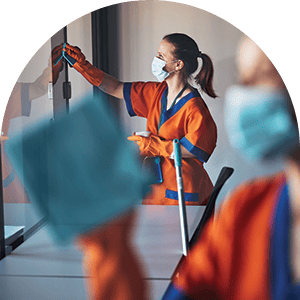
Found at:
(71, 178)
(251, 250)
(173, 109)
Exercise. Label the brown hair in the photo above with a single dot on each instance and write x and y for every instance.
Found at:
(187, 50)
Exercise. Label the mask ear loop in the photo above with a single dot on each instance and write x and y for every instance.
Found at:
(174, 61)
(177, 67)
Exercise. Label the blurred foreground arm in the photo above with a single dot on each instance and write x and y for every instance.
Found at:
(110, 263)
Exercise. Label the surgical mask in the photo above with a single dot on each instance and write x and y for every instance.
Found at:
(158, 68)
(259, 122)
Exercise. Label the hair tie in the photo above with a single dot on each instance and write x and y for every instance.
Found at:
(199, 54)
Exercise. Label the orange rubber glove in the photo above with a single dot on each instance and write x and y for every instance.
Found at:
(110, 262)
(77, 60)
(153, 145)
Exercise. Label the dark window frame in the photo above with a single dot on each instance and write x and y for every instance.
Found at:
(2, 234)
(105, 39)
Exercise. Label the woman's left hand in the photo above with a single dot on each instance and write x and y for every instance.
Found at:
(144, 143)
(153, 145)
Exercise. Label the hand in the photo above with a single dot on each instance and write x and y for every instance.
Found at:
(74, 54)
(141, 141)
(153, 145)
(76, 59)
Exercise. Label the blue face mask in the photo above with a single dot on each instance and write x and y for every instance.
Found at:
(259, 122)
(158, 69)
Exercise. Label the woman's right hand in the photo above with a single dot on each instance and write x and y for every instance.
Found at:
(95, 76)
(75, 53)
(77, 60)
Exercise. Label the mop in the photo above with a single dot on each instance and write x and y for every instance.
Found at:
(182, 209)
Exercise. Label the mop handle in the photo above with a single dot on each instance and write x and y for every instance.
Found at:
(182, 209)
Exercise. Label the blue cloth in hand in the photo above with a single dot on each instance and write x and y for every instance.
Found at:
(80, 171)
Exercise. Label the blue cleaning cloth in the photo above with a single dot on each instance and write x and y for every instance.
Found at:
(80, 171)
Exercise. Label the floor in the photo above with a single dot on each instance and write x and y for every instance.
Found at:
(40, 270)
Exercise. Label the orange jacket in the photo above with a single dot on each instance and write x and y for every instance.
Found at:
(190, 121)
(231, 258)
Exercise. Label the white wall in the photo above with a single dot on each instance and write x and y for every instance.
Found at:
(143, 25)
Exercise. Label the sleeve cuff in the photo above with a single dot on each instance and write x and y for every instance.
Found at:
(199, 153)
(127, 97)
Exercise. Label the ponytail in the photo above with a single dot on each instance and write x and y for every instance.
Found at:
(205, 76)
(187, 50)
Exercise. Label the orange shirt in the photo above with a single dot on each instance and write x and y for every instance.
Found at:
(190, 121)
(231, 258)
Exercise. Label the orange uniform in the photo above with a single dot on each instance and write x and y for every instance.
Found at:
(190, 121)
(231, 260)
